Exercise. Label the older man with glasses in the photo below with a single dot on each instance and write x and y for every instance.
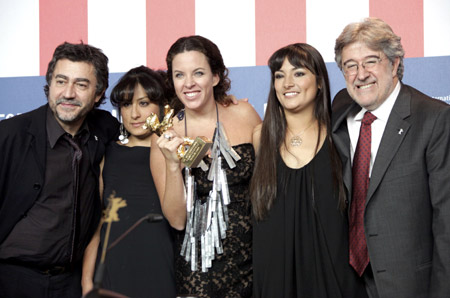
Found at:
(394, 142)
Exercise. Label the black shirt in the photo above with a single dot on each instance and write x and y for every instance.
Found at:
(44, 236)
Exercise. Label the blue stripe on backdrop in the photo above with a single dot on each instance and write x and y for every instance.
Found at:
(431, 75)
(20, 95)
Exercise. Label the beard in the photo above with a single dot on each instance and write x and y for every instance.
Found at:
(72, 114)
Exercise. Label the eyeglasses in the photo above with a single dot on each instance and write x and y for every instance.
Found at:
(351, 68)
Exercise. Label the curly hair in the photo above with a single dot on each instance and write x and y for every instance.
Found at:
(213, 56)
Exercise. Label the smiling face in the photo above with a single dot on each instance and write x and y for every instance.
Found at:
(193, 79)
(369, 88)
(72, 93)
(296, 88)
(135, 112)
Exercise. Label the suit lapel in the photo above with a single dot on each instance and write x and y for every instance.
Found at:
(343, 138)
(396, 130)
(342, 142)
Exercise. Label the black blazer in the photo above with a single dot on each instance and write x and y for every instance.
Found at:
(23, 145)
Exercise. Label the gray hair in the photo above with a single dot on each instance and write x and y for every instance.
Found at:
(375, 34)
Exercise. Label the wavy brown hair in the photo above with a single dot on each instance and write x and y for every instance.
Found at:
(213, 56)
(263, 187)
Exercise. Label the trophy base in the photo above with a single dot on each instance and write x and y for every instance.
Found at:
(196, 151)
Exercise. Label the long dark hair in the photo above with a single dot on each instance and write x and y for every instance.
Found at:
(263, 187)
(213, 56)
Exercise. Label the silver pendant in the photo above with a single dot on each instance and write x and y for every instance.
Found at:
(296, 141)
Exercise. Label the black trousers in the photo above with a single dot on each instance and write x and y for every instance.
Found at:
(20, 281)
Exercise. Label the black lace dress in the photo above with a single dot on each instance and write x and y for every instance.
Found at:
(142, 264)
(301, 249)
(231, 272)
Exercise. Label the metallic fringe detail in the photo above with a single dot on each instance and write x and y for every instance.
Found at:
(207, 222)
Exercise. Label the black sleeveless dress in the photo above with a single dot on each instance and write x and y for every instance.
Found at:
(301, 248)
(231, 272)
(142, 264)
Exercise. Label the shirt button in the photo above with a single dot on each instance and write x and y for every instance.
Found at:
(36, 186)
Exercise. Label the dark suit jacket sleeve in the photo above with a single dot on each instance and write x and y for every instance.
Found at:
(438, 164)
(22, 160)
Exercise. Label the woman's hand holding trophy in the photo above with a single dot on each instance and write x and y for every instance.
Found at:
(190, 152)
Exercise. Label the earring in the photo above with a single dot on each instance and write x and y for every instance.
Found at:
(123, 137)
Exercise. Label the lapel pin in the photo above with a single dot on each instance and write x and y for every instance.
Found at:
(400, 131)
(95, 137)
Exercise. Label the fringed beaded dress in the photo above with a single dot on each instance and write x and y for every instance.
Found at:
(231, 272)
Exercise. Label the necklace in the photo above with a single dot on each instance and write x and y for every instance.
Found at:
(207, 221)
(182, 114)
(296, 139)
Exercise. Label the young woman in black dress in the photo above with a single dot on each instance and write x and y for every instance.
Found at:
(300, 246)
(142, 264)
(199, 78)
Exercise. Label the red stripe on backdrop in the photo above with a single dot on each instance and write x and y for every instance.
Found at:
(166, 22)
(278, 23)
(406, 19)
(60, 21)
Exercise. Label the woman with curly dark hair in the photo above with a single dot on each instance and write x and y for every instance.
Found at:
(214, 249)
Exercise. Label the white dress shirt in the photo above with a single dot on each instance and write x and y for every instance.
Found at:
(382, 113)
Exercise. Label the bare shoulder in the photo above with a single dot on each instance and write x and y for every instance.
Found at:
(244, 111)
(239, 121)
(257, 130)
(242, 106)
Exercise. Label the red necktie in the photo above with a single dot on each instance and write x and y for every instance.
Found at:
(359, 256)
